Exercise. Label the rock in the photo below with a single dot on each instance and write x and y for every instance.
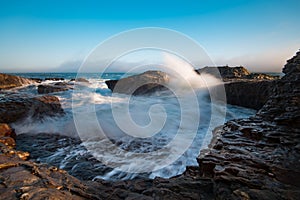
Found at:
(248, 94)
(15, 107)
(54, 79)
(226, 72)
(83, 80)
(45, 89)
(283, 107)
(10, 81)
(7, 131)
(258, 158)
(27, 180)
(37, 80)
(250, 90)
(146, 83)
(235, 73)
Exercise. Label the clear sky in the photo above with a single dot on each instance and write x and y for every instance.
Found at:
(50, 35)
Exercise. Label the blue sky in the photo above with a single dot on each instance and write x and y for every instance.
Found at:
(58, 35)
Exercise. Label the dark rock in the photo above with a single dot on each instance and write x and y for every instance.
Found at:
(15, 107)
(37, 80)
(248, 94)
(283, 107)
(250, 90)
(9, 81)
(226, 72)
(46, 89)
(54, 79)
(146, 83)
(234, 73)
(83, 80)
(259, 157)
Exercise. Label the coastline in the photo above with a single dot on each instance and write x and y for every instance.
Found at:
(239, 164)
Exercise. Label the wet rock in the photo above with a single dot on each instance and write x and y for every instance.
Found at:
(15, 107)
(83, 80)
(259, 158)
(46, 89)
(37, 80)
(54, 79)
(10, 81)
(146, 83)
(250, 90)
(248, 94)
(7, 131)
(27, 180)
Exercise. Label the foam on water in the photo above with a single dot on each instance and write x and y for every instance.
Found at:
(96, 98)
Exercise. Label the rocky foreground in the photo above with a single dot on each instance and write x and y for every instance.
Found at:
(255, 158)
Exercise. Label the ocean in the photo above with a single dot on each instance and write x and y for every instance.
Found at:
(166, 142)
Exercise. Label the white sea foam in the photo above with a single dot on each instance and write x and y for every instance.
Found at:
(96, 98)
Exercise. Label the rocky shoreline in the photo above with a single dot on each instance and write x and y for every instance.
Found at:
(255, 158)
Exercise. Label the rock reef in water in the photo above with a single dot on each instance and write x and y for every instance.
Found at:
(15, 107)
(234, 73)
(142, 84)
(46, 89)
(8, 81)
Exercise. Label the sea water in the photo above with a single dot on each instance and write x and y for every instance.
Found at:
(56, 141)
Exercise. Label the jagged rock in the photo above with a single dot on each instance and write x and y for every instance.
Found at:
(284, 105)
(234, 73)
(7, 131)
(258, 158)
(145, 83)
(226, 72)
(15, 107)
(10, 81)
(46, 89)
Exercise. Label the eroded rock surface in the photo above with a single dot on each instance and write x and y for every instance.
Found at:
(259, 158)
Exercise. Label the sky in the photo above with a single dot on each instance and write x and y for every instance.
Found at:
(52, 35)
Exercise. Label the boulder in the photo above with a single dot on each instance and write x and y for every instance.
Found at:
(45, 89)
(10, 81)
(15, 107)
(141, 84)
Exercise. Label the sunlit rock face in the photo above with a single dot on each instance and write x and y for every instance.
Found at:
(9, 81)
